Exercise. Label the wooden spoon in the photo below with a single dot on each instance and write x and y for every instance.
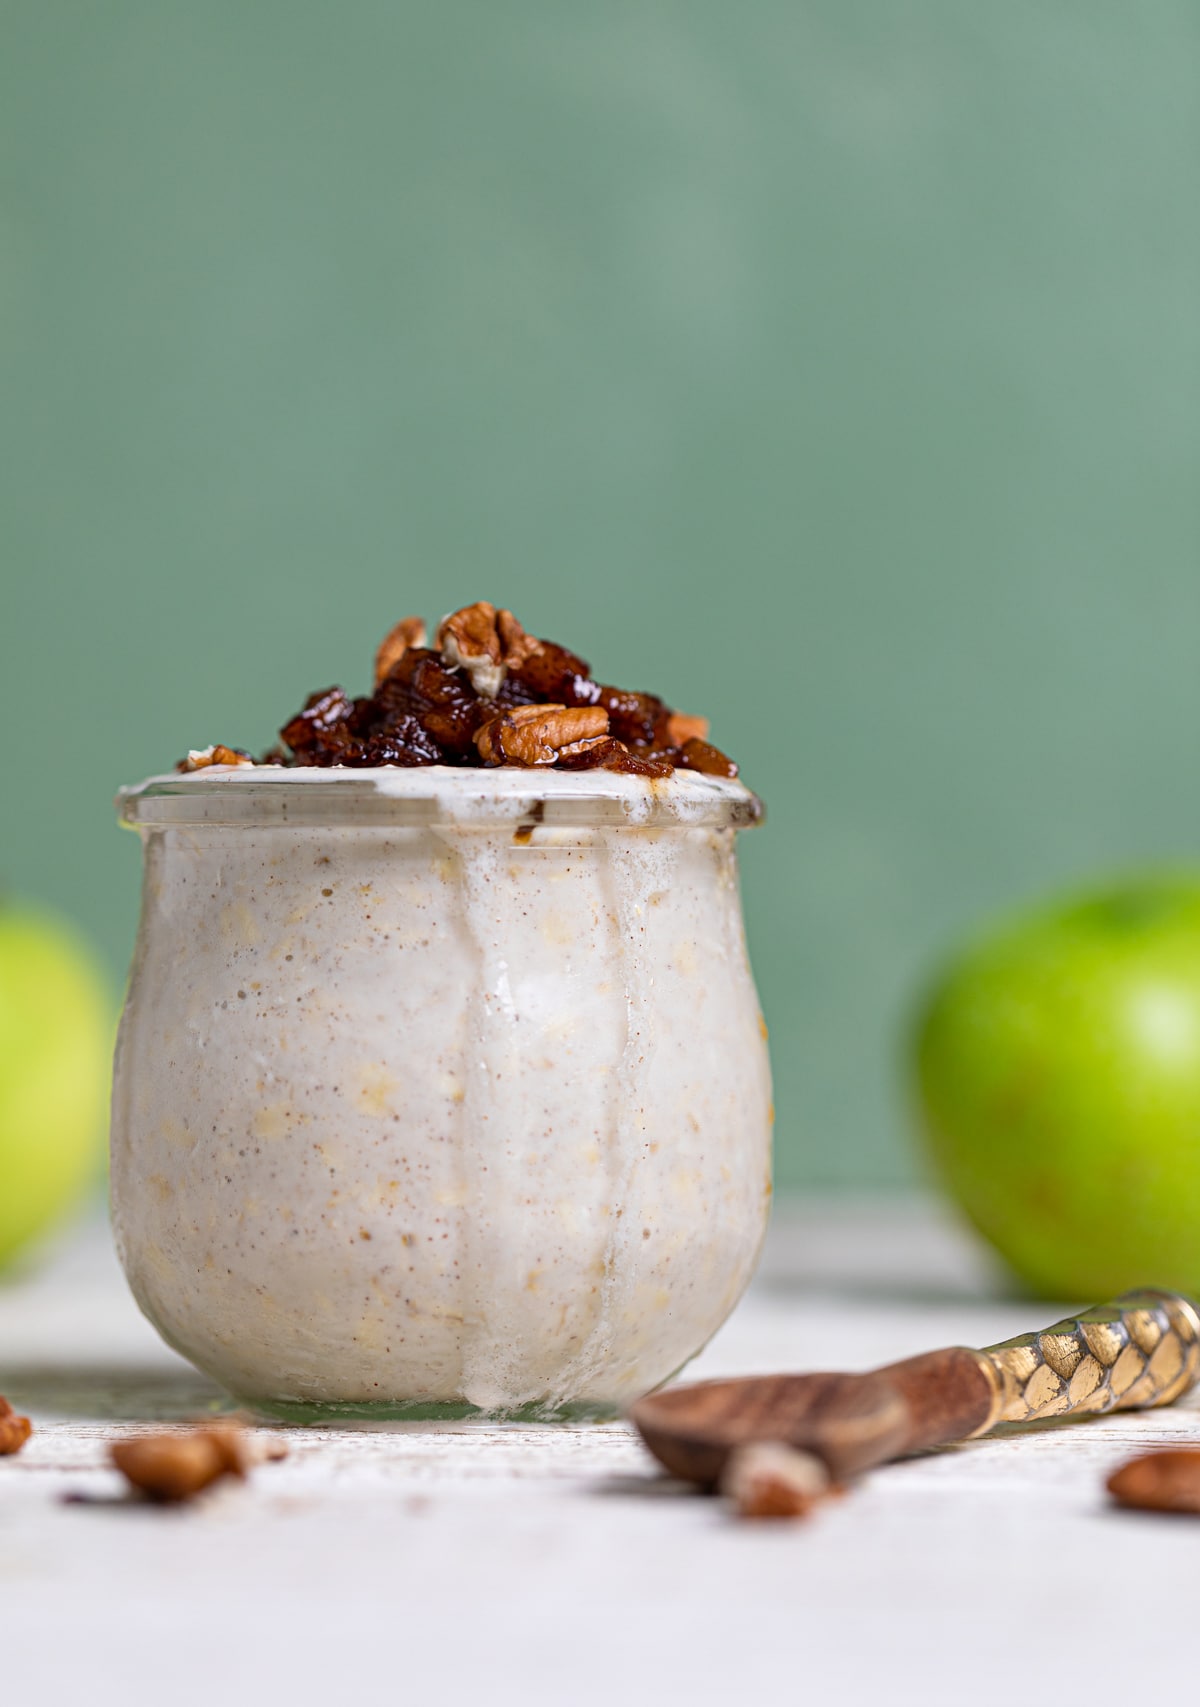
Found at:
(1141, 1350)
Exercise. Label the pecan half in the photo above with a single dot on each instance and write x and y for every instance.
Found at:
(409, 631)
(539, 734)
(486, 643)
(470, 641)
(173, 1467)
(14, 1430)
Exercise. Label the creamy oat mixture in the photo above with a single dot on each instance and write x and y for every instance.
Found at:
(433, 1088)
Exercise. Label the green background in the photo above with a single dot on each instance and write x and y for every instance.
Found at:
(833, 368)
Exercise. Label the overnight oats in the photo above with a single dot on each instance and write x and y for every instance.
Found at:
(442, 1085)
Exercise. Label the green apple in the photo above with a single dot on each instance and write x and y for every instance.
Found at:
(55, 1049)
(1058, 1075)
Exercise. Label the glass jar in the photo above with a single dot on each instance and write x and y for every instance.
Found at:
(439, 1091)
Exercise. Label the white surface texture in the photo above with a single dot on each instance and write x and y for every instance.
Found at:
(519, 1564)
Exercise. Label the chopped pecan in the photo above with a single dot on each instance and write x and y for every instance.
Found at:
(539, 734)
(172, 1467)
(14, 1430)
(200, 758)
(772, 1480)
(700, 756)
(409, 631)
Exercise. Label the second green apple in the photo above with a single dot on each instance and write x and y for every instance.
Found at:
(1058, 1075)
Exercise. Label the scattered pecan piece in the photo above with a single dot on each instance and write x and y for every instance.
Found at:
(409, 631)
(1159, 1481)
(539, 734)
(699, 756)
(14, 1430)
(173, 1467)
(773, 1480)
(200, 758)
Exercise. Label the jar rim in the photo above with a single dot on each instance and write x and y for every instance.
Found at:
(469, 798)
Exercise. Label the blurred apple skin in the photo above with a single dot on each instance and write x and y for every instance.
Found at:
(1058, 1077)
(55, 1068)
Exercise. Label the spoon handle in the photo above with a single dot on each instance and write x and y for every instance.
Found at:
(1143, 1349)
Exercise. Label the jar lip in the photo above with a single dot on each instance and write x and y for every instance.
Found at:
(436, 795)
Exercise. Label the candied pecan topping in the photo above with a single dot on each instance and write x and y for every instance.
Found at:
(539, 734)
(173, 1467)
(486, 692)
(14, 1430)
(409, 631)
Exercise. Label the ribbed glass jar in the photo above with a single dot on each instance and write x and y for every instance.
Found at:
(439, 1091)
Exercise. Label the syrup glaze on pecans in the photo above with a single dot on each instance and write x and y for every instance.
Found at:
(487, 693)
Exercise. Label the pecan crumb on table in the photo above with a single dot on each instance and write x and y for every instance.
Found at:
(173, 1467)
(486, 693)
(14, 1430)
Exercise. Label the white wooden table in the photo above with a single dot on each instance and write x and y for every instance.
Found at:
(506, 1564)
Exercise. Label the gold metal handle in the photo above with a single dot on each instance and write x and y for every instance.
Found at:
(1143, 1349)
